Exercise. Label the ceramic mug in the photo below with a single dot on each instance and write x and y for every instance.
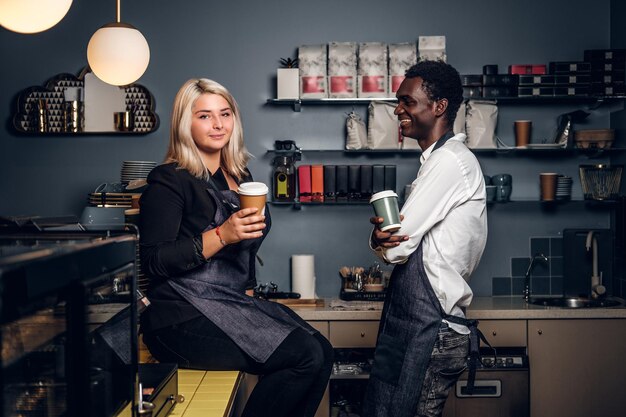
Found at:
(502, 179)
(503, 193)
(491, 192)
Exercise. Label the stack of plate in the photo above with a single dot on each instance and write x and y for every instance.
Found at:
(132, 217)
(135, 170)
(122, 200)
(563, 187)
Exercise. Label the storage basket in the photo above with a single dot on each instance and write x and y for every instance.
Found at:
(601, 181)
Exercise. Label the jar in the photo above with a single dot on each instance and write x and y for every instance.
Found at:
(284, 179)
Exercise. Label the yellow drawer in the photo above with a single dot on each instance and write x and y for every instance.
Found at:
(504, 333)
(349, 334)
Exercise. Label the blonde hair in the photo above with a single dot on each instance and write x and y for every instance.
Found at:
(183, 150)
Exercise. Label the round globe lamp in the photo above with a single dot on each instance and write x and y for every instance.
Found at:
(32, 16)
(118, 54)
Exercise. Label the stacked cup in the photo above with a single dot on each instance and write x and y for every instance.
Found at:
(504, 186)
(563, 187)
(547, 184)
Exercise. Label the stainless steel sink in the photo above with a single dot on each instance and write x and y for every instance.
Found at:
(576, 302)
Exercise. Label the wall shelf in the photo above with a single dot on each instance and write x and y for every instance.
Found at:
(594, 101)
(547, 205)
(501, 151)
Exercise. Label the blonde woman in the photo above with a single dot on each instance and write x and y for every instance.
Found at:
(199, 248)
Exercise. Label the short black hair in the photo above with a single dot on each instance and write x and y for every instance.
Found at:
(441, 80)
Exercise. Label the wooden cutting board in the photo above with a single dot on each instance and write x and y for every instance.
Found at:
(301, 302)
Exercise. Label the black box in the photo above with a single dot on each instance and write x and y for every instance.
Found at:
(573, 78)
(354, 182)
(472, 80)
(378, 178)
(471, 92)
(491, 69)
(608, 66)
(535, 91)
(536, 80)
(615, 89)
(572, 90)
(501, 80)
(605, 54)
(608, 77)
(342, 182)
(569, 66)
(390, 177)
(330, 183)
(366, 182)
(489, 91)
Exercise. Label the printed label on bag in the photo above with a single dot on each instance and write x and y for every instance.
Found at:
(341, 84)
(396, 80)
(373, 84)
(313, 84)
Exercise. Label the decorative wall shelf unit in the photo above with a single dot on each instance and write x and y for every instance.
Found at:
(136, 96)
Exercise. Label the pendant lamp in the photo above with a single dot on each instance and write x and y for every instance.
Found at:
(32, 16)
(118, 53)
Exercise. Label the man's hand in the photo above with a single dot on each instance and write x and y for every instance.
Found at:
(385, 239)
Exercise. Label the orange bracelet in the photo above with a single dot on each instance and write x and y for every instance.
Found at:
(219, 236)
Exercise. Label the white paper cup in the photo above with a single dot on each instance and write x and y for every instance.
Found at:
(385, 205)
(253, 194)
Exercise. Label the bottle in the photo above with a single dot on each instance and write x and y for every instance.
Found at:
(284, 179)
(42, 115)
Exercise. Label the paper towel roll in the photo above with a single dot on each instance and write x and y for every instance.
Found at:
(303, 275)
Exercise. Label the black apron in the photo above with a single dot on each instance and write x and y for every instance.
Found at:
(217, 290)
(410, 322)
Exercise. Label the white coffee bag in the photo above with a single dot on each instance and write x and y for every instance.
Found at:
(312, 60)
(342, 69)
(432, 48)
(372, 70)
(401, 57)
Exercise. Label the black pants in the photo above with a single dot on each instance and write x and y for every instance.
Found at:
(293, 379)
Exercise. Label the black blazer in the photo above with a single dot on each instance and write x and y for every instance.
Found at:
(175, 209)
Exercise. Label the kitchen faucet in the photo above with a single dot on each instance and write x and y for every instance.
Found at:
(529, 271)
(597, 289)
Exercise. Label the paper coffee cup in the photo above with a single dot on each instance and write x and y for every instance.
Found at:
(385, 205)
(253, 194)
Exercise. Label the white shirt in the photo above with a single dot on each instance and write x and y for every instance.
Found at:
(446, 212)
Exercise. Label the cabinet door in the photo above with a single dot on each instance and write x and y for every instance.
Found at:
(577, 367)
(353, 334)
(504, 333)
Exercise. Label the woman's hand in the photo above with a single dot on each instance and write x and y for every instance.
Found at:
(242, 225)
(385, 239)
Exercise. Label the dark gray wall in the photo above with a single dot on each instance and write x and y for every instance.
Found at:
(239, 43)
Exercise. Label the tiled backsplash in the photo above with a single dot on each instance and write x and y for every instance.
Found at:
(546, 277)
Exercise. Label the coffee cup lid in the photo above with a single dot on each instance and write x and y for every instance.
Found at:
(383, 194)
(252, 188)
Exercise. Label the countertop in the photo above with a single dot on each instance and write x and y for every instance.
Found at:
(482, 308)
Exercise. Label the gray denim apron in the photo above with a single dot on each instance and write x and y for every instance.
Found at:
(409, 327)
(217, 290)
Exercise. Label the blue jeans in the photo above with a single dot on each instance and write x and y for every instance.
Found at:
(448, 360)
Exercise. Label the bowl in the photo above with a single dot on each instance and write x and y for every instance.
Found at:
(373, 287)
